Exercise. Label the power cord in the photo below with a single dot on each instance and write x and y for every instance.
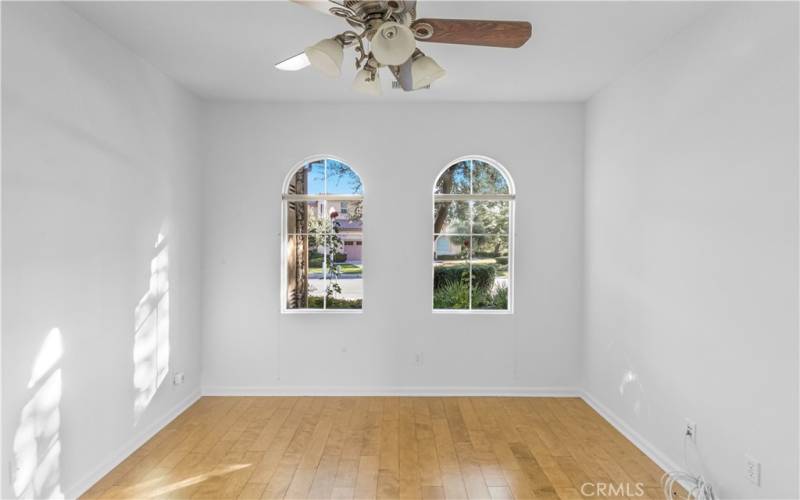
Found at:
(698, 488)
(696, 485)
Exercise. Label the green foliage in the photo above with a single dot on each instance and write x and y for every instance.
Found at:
(315, 302)
(502, 260)
(451, 295)
(490, 217)
(501, 298)
(348, 269)
(482, 275)
(324, 233)
(490, 300)
(315, 262)
(455, 295)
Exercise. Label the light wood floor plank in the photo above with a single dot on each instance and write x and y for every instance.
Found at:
(363, 448)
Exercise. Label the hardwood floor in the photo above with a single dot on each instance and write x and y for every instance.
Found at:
(385, 447)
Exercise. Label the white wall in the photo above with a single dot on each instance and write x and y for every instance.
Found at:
(98, 158)
(398, 150)
(692, 246)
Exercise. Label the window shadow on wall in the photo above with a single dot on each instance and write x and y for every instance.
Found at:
(151, 341)
(36, 467)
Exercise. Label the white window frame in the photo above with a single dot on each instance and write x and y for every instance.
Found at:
(285, 199)
(510, 197)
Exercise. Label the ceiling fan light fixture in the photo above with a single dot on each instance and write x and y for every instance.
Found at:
(425, 71)
(366, 84)
(326, 57)
(393, 43)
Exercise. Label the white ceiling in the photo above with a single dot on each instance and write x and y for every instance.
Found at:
(226, 49)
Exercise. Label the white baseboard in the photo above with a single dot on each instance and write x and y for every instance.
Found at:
(132, 445)
(390, 391)
(656, 455)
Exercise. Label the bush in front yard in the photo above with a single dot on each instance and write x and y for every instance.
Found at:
(456, 296)
(491, 300)
(315, 302)
(453, 295)
(482, 275)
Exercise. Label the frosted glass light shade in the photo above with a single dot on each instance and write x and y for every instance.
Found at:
(326, 57)
(363, 84)
(392, 44)
(425, 71)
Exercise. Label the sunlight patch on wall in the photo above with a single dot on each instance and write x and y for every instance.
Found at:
(37, 444)
(151, 341)
(631, 385)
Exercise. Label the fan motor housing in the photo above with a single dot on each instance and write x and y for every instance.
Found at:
(373, 10)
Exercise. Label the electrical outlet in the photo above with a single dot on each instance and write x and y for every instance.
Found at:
(177, 379)
(753, 470)
(690, 431)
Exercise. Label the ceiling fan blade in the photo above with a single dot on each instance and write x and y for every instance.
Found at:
(511, 34)
(294, 63)
(322, 6)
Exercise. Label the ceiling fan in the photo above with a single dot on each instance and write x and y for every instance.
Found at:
(385, 34)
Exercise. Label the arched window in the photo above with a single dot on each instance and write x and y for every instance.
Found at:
(322, 237)
(473, 215)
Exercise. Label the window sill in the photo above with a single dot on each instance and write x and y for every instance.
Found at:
(489, 312)
(321, 311)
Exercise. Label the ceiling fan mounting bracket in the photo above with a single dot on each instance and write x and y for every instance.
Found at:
(371, 13)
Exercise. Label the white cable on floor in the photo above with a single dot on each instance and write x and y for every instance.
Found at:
(696, 485)
(698, 488)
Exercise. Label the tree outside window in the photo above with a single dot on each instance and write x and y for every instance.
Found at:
(472, 213)
(323, 210)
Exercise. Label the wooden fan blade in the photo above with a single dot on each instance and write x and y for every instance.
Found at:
(322, 6)
(511, 34)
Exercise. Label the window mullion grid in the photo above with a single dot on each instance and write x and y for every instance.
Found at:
(469, 254)
(325, 176)
(322, 197)
(324, 258)
(471, 197)
(476, 197)
(471, 230)
(325, 237)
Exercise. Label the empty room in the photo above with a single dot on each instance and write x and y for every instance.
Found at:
(400, 249)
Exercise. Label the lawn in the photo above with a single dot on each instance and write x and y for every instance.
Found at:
(344, 268)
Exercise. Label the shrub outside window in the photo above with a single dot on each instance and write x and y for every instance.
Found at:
(473, 215)
(322, 211)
